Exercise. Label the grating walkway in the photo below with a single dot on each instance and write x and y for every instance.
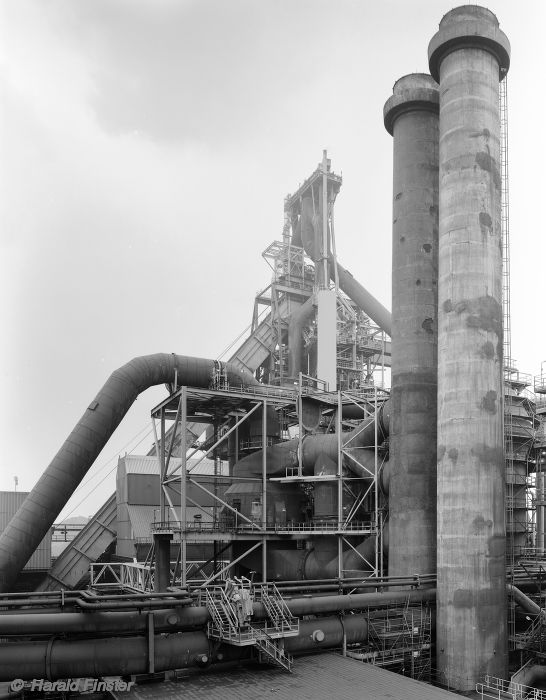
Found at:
(319, 677)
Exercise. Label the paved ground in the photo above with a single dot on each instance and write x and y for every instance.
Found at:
(318, 677)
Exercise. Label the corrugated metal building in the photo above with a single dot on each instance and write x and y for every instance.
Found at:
(10, 501)
(137, 496)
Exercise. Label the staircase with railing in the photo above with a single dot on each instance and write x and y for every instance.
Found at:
(270, 651)
(277, 610)
(228, 625)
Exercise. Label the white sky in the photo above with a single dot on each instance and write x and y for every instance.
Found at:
(147, 146)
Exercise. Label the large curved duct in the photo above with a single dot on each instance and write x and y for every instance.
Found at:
(285, 454)
(316, 563)
(103, 415)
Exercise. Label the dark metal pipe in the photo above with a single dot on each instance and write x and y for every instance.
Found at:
(364, 300)
(30, 624)
(137, 601)
(284, 455)
(189, 617)
(43, 504)
(57, 658)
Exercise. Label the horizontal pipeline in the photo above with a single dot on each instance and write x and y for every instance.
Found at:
(29, 624)
(58, 658)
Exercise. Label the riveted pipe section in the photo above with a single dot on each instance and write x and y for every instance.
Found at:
(84, 444)
(411, 117)
(467, 56)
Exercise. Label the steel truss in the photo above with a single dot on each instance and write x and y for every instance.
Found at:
(227, 409)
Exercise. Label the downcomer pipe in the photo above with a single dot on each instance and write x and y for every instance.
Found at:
(41, 507)
(467, 57)
(348, 284)
(411, 117)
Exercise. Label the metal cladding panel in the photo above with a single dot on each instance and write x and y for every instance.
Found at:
(143, 489)
(140, 464)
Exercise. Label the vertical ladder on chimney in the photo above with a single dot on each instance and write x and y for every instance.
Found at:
(511, 486)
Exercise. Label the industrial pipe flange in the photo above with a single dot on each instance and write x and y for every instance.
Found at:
(417, 91)
(469, 26)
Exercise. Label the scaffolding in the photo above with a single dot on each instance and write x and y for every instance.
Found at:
(400, 639)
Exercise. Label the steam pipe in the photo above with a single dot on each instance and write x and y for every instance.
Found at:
(41, 507)
(58, 658)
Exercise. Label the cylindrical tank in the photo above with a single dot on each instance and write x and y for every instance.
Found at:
(411, 116)
(468, 56)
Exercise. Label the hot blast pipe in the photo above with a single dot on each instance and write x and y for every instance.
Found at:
(41, 507)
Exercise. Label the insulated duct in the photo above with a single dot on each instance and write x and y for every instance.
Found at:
(41, 507)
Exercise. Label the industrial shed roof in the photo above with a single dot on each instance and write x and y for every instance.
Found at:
(140, 464)
(318, 677)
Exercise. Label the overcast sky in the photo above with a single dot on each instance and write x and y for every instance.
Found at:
(147, 147)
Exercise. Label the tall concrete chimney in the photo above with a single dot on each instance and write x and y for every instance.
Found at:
(411, 116)
(467, 57)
